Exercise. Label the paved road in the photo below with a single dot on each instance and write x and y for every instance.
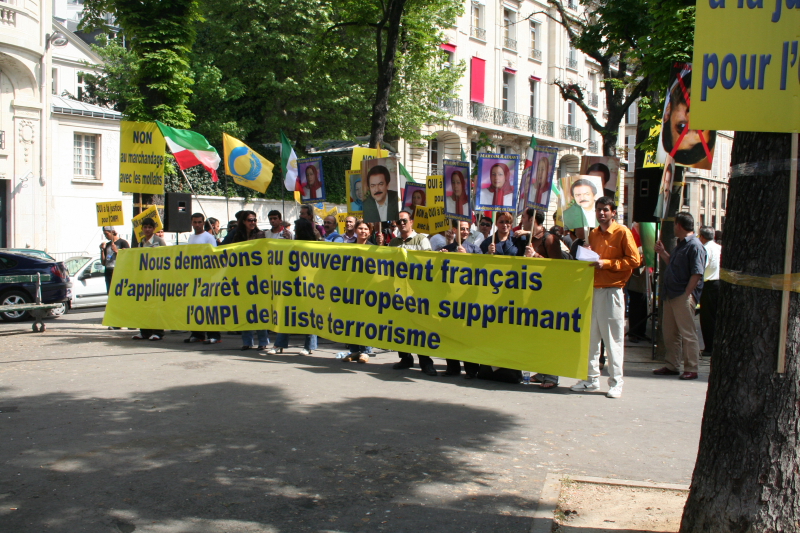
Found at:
(100, 433)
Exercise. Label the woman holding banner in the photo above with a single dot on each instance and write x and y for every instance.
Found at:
(303, 231)
(247, 230)
(356, 352)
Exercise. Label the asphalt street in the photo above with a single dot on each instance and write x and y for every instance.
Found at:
(101, 433)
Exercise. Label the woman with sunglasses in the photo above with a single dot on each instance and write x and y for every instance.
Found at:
(247, 230)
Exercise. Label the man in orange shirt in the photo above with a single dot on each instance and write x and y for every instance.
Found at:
(619, 255)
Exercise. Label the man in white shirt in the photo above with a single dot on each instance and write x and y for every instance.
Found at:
(200, 236)
(277, 229)
(710, 295)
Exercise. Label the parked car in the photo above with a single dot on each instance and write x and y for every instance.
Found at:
(41, 254)
(56, 290)
(88, 281)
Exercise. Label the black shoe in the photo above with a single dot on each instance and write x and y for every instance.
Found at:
(452, 373)
(430, 370)
(402, 364)
(470, 375)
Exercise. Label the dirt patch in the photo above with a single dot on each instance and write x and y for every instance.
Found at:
(603, 508)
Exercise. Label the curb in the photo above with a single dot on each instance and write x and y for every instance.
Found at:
(548, 501)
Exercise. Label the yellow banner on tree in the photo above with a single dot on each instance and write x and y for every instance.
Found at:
(746, 69)
(512, 312)
(110, 214)
(141, 157)
(150, 212)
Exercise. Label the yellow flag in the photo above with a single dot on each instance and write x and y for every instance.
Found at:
(247, 168)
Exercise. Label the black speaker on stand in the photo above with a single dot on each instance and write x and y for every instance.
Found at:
(177, 212)
(646, 185)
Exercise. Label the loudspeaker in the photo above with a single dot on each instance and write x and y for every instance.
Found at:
(646, 185)
(177, 212)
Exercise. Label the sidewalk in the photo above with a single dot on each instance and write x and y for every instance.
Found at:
(102, 433)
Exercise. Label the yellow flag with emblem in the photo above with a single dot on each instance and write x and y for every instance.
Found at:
(247, 168)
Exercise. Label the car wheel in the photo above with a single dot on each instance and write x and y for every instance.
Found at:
(59, 311)
(13, 298)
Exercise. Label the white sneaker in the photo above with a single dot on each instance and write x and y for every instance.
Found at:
(585, 386)
(304, 352)
(614, 392)
(272, 351)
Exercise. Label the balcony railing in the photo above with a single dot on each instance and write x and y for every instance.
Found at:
(571, 133)
(572, 63)
(536, 54)
(594, 100)
(594, 146)
(511, 44)
(498, 117)
(8, 16)
(478, 33)
(454, 106)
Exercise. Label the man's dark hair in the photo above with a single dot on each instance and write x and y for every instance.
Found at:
(539, 216)
(606, 200)
(600, 167)
(148, 222)
(201, 216)
(707, 232)
(232, 223)
(529, 211)
(239, 214)
(212, 220)
(308, 209)
(718, 236)
(487, 219)
(685, 220)
(379, 169)
(407, 211)
(275, 212)
(580, 182)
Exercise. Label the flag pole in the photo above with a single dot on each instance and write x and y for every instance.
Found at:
(227, 207)
(193, 193)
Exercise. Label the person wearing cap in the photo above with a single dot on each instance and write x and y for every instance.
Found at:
(150, 240)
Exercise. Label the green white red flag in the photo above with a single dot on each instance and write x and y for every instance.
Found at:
(191, 149)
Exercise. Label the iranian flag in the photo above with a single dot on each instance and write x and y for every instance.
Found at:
(191, 149)
(529, 153)
(289, 161)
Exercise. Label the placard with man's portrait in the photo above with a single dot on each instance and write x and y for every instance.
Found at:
(606, 168)
(578, 196)
(381, 190)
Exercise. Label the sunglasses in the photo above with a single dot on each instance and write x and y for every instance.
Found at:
(486, 224)
(403, 221)
(252, 220)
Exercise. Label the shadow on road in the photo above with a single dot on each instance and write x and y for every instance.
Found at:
(235, 457)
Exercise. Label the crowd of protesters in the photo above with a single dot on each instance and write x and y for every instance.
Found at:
(619, 282)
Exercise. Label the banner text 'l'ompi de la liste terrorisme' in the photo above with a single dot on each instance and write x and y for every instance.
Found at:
(527, 314)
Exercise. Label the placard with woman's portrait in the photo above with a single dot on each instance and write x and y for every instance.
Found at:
(309, 177)
(456, 190)
(497, 182)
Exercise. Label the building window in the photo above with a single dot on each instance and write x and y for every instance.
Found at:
(534, 91)
(54, 81)
(571, 113)
(713, 198)
(84, 156)
(702, 196)
(477, 30)
(702, 220)
(81, 86)
(535, 41)
(714, 221)
(508, 91)
(724, 203)
(449, 58)
(433, 157)
(509, 24)
(686, 195)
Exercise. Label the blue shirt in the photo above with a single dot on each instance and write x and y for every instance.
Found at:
(506, 247)
(687, 259)
(468, 246)
(334, 237)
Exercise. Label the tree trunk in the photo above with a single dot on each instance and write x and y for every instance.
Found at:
(747, 475)
(386, 70)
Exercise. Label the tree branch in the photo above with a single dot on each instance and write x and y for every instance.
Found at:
(574, 92)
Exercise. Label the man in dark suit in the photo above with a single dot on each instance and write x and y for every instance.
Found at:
(381, 205)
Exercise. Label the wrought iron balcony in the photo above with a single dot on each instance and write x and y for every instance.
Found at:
(594, 100)
(511, 44)
(478, 33)
(542, 127)
(571, 133)
(572, 63)
(498, 117)
(594, 146)
(454, 106)
(536, 54)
